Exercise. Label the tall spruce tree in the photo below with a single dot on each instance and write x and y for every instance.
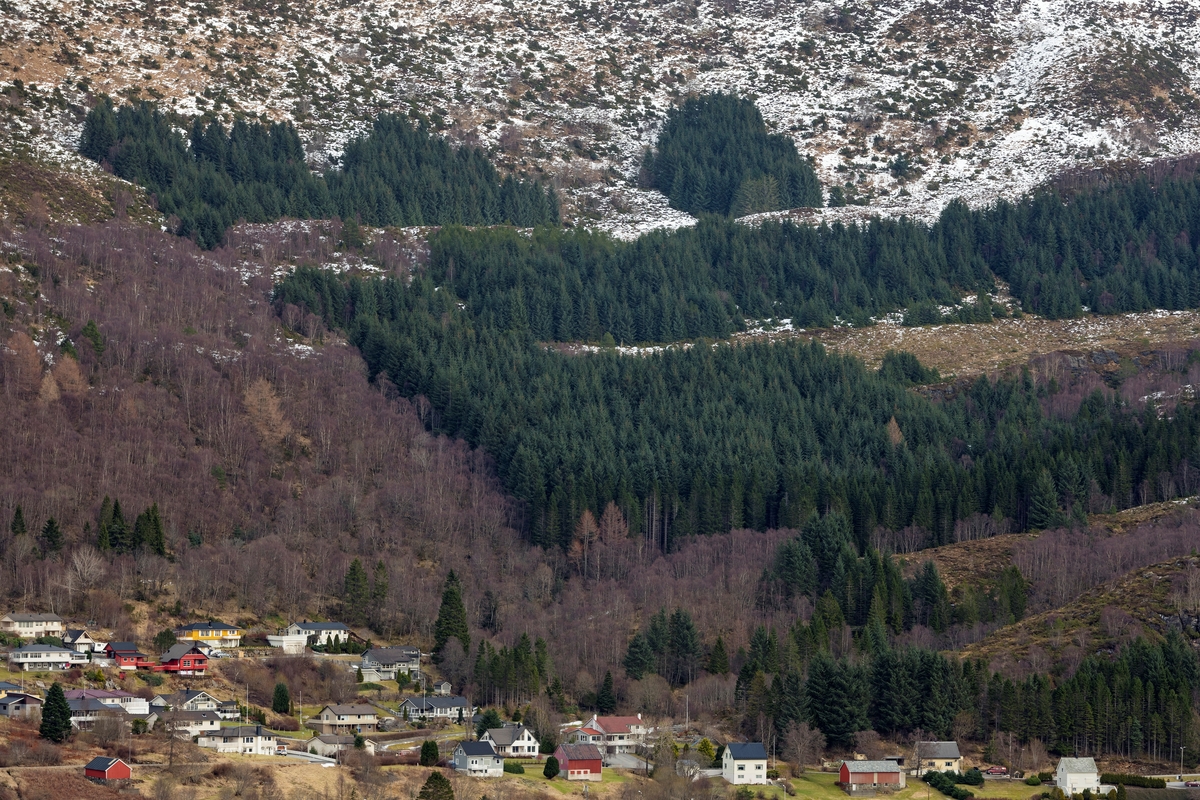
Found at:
(52, 537)
(718, 659)
(606, 698)
(355, 593)
(18, 522)
(639, 658)
(56, 715)
(281, 700)
(452, 618)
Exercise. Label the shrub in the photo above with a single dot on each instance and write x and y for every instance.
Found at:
(513, 767)
(1140, 781)
(551, 770)
(429, 753)
(944, 783)
(1033, 780)
(773, 774)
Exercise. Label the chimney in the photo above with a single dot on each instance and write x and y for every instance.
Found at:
(639, 715)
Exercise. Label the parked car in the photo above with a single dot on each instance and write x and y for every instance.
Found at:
(1192, 784)
(997, 770)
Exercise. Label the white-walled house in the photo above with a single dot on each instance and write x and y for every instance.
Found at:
(512, 741)
(129, 703)
(744, 763)
(319, 633)
(385, 663)
(1073, 775)
(45, 658)
(32, 626)
(252, 740)
(478, 759)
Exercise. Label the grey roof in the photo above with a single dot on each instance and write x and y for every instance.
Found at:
(507, 735)
(938, 749)
(82, 704)
(71, 635)
(211, 625)
(1077, 766)
(352, 708)
(101, 763)
(35, 617)
(392, 655)
(431, 703)
(238, 731)
(746, 751)
(178, 651)
(321, 626)
(5, 686)
(123, 647)
(191, 716)
(872, 766)
(335, 738)
(18, 697)
(581, 752)
(43, 648)
(478, 749)
(180, 697)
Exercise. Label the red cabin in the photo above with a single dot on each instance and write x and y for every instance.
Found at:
(859, 775)
(579, 762)
(127, 656)
(101, 768)
(183, 659)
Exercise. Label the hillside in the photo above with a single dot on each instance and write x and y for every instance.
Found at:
(903, 105)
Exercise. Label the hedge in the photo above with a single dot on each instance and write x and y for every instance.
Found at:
(945, 784)
(1141, 781)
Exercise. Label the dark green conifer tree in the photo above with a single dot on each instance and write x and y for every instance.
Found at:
(452, 617)
(56, 715)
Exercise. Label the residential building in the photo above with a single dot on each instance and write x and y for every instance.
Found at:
(512, 741)
(1073, 775)
(186, 724)
(388, 662)
(744, 763)
(345, 718)
(183, 659)
(15, 705)
(129, 703)
(125, 655)
(6, 687)
(86, 710)
(80, 641)
(452, 708)
(32, 626)
(104, 769)
(228, 709)
(938, 757)
(319, 633)
(186, 700)
(861, 776)
(443, 688)
(249, 739)
(579, 762)
(44, 658)
(213, 633)
(617, 734)
(331, 744)
(478, 760)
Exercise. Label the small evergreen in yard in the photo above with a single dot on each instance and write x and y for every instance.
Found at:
(429, 753)
(281, 701)
(436, 787)
(551, 770)
(164, 640)
(56, 715)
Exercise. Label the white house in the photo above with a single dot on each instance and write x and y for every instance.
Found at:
(129, 703)
(478, 759)
(451, 708)
(611, 734)
(443, 688)
(1076, 774)
(385, 663)
(744, 763)
(186, 724)
(32, 626)
(80, 641)
(44, 658)
(185, 700)
(319, 633)
(252, 740)
(345, 718)
(330, 744)
(512, 741)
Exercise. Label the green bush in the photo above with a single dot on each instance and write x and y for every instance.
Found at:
(551, 769)
(1140, 781)
(944, 783)
(1033, 780)
(513, 767)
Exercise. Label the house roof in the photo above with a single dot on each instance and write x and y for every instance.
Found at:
(746, 751)
(85, 704)
(35, 617)
(43, 648)
(391, 655)
(179, 651)
(72, 635)
(321, 626)
(211, 625)
(191, 716)
(869, 766)
(238, 731)
(18, 697)
(1077, 766)
(351, 709)
(506, 735)
(5, 686)
(180, 697)
(102, 763)
(97, 694)
(617, 724)
(477, 749)
(335, 738)
(938, 749)
(581, 752)
(124, 647)
(431, 703)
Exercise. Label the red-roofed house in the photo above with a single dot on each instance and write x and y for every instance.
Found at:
(612, 734)
(579, 762)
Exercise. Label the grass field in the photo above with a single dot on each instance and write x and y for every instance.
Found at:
(823, 786)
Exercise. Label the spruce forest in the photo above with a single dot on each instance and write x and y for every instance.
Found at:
(404, 390)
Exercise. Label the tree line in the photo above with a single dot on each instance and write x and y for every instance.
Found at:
(705, 439)
(398, 174)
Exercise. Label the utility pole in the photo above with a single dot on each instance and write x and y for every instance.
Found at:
(1181, 762)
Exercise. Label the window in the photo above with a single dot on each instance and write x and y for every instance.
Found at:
(741, 767)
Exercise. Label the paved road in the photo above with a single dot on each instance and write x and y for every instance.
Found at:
(625, 761)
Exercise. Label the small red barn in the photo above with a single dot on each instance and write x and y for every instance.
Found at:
(183, 659)
(127, 656)
(856, 775)
(101, 768)
(579, 762)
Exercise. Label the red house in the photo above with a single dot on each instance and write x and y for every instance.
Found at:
(127, 656)
(183, 659)
(857, 775)
(101, 768)
(579, 762)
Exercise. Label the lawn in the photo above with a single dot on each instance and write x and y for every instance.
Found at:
(822, 785)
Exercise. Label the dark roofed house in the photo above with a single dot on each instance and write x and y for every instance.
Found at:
(744, 763)
(938, 757)
(437, 707)
(127, 656)
(102, 768)
(32, 626)
(478, 759)
(15, 704)
(512, 741)
(385, 663)
(184, 658)
(345, 718)
(319, 633)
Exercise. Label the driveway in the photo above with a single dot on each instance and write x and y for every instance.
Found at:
(625, 761)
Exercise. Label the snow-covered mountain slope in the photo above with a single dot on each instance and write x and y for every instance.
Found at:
(903, 104)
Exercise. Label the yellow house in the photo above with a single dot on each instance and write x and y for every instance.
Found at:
(212, 633)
